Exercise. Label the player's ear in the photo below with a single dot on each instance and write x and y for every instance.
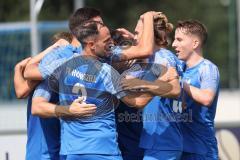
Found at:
(196, 43)
(91, 45)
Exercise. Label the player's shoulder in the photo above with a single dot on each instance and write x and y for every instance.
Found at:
(163, 52)
(208, 64)
(165, 56)
(208, 67)
(54, 54)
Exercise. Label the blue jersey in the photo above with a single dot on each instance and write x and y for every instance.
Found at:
(43, 134)
(198, 131)
(56, 58)
(99, 84)
(161, 130)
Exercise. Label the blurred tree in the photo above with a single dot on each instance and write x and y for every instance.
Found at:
(18, 10)
(218, 15)
(214, 14)
(14, 10)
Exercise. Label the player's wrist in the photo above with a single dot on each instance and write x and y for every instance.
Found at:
(62, 112)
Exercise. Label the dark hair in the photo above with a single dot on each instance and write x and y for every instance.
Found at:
(161, 30)
(194, 27)
(84, 31)
(62, 35)
(82, 15)
(120, 40)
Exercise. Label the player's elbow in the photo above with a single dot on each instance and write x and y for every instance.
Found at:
(140, 103)
(207, 101)
(21, 94)
(36, 109)
(134, 102)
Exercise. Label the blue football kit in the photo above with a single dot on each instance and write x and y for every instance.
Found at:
(199, 140)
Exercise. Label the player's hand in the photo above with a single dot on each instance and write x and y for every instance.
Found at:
(172, 74)
(160, 15)
(22, 64)
(80, 109)
(152, 14)
(125, 33)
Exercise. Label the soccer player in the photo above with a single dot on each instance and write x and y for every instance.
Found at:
(161, 136)
(94, 137)
(201, 88)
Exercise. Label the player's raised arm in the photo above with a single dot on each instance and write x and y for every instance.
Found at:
(145, 38)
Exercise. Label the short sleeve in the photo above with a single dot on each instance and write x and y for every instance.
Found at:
(42, 90)
(162, 58)
(55, 59)
(47, 70)
(209, 77)
(165, 59)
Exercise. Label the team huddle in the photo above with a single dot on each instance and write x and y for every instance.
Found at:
(97, 94)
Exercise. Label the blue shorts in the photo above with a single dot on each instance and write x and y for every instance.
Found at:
(194, 156)
(90, 157)
(162, 155)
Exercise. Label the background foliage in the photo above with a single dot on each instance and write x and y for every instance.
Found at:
(218, 15)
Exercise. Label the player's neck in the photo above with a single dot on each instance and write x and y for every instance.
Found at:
(194, 59)
(88, 53)
(75, 42)
(158, 47)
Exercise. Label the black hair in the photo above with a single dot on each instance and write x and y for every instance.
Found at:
(82, 15)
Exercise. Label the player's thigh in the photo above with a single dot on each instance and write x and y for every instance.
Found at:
(162, 155)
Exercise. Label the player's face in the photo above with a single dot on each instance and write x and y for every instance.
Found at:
(183, 44)
(103, 41)
(138, 31)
